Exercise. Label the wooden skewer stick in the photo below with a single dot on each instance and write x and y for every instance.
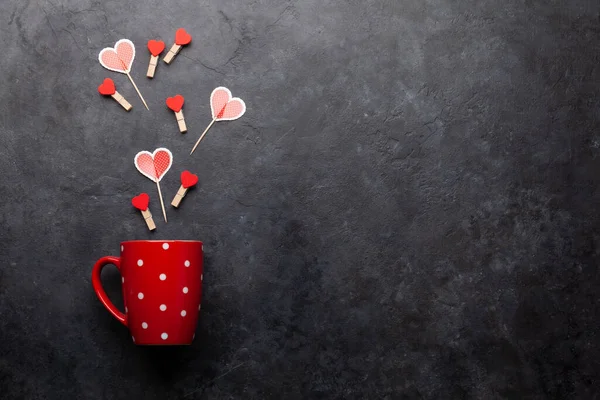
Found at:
(152, 66)
(138, 91)
(179, 196)
(203, 133)
(121, 100)
(148, 218)
(162, 203)
(181, 121)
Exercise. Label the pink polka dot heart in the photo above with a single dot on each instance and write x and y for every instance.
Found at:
(162, 282)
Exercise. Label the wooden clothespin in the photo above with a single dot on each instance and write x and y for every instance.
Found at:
(182, 38)
(108, 89)
(187, 181)
(156, 47)
(141, 203)
(175, 103)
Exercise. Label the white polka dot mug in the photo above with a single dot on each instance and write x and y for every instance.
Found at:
(162, 289)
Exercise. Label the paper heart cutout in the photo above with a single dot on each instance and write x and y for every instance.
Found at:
(118, 58)
(156, 47)
(141, 201)
(188, 179)
(224, 107)
(175, 103)
(182, 37)
(107, 88)
(154, 165)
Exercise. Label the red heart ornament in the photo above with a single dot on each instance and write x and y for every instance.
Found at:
(175, 103)
(156, 47)
(224, 107)
(154, 165)
(118, 58)
(188, 179)
(182, 37)
(141, 201)
(107, 88)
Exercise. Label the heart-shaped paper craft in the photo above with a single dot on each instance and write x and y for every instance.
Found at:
(224, 107)
(156, 47)
(107, 88)
(182, 37)
(175, 103)
(188, 179)
(141, 201)
(154, 165)
(118, 58)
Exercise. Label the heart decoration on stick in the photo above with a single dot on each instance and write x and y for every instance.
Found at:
(223, 107)
(154, 166)
(119, 59)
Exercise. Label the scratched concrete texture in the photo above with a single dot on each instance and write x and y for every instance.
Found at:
(408, 209)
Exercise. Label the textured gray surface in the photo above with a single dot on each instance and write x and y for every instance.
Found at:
(407, 210)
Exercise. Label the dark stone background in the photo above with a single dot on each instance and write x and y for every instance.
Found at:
(409, 208)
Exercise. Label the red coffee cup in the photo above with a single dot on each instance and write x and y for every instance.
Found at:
(162, 289)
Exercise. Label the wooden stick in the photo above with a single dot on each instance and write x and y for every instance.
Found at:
(172, 53)
(121, 100)
(137, 90)
(201, 136)
(177, 199)
(181, 121)
(149, 221)
(152, 66)
(162, 204)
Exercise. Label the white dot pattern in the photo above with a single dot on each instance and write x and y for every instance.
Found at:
(144, 325)
(140, 295)
(122, 248)
(164, 336)
(166, 246)
(183, 313)
(163, 307)
(187, 263)
(140, 263)
(185, 289)
(163, 277)
(122, 280)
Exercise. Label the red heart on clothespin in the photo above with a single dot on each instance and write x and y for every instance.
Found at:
(188, 179)
(182, 37)
(141, 201)
(107, 88)
(175, 103)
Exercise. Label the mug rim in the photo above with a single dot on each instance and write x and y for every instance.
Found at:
(161, 241)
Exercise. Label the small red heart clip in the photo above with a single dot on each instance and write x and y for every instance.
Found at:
(188, 179)
(107, 88)
(141, 201)
(175, 103)
(182, 37)
(156, 47)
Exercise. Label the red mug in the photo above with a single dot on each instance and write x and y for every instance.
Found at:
(162, 289)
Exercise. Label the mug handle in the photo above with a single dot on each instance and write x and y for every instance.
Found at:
(97, 283)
